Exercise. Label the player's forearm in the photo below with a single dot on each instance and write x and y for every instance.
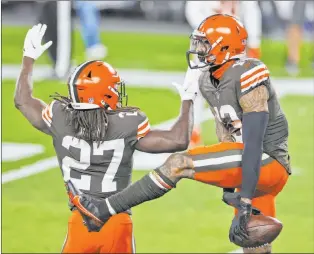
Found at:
(254, 127)
(150, 187)
(174, 140)
(153, 185)
(254, 123)
(23, 91)
(181, 131)
(29, 106)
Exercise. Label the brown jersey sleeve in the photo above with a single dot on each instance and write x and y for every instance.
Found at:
(47, 113)
(141, 127)
(252, 74)
(53, 117)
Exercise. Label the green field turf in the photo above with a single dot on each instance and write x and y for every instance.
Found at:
(191, 218)
(152, 51)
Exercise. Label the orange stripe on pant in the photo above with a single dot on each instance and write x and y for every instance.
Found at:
(273, 176)
(116, 236)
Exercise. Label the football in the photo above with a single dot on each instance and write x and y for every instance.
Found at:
(262, 230)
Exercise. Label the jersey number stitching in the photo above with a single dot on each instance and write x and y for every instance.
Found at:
(108, 184)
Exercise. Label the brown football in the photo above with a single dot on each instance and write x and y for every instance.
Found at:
(262, 230)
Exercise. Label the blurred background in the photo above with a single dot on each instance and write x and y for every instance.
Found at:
(146, 41)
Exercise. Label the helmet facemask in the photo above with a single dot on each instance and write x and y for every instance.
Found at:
(204, 52)
(123, 97)
(119, 92)
(199, 51)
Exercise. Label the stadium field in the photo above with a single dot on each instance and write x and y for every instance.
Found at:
(191, 218)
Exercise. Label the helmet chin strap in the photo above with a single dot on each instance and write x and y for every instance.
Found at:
(240, 56)
(227, 59)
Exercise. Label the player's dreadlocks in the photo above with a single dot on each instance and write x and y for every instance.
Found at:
(91, 124)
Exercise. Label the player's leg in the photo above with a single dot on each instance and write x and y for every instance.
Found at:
(294, 37)
(117, 235)
(78, 239)
(267, 205)
(220, 165)
(90, 21)
(114, 237)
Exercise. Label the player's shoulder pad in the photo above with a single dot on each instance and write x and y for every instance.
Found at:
(250, 73)
(52, 111)
(143, 125)
(136, 122)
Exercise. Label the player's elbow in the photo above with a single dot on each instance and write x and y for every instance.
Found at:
(182, 145)
(17, 102)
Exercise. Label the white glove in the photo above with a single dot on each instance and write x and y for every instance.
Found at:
(190, 88)
(191, 77)
(32, 42)
(186, 94)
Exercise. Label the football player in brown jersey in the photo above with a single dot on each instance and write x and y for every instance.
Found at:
(95, 136)
(252, 155)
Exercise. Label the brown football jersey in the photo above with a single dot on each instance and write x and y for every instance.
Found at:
(241, 78)
(98, 170)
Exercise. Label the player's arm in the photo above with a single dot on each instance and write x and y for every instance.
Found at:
(178, 137)
(29, 106)
(175, 139)
(254, 122)
(222, 133)
(24, 101)
(252, 94)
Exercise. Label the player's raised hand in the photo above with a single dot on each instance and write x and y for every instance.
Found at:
(189, 90)
(191, 78)
(32, 42)
(184, 96)
(94, 212)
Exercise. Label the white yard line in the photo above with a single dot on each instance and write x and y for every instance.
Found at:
(158, 79)
(32, 169)
(17, 151)
(161, 79)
